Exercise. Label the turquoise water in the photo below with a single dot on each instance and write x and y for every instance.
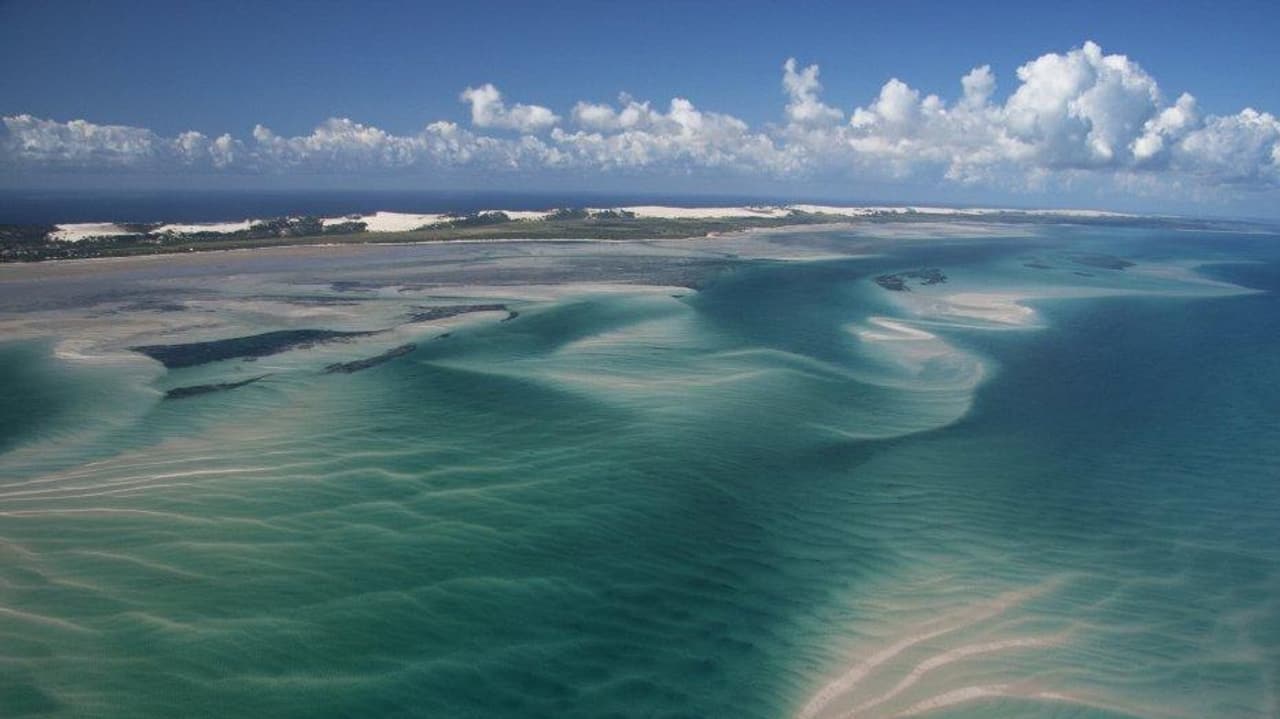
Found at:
(735, 502)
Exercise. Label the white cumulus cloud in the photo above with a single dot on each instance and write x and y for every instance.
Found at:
(637, 136)
(802, 88)
(489, 110)
(1079, 113)
(79, 142)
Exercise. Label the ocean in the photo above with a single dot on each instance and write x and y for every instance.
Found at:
(736, 478)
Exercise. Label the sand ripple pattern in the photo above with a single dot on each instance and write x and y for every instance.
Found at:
(786, 494)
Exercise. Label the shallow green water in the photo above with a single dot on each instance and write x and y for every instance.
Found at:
(727, 503)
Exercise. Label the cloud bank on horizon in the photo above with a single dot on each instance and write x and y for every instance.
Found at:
(1076, 115)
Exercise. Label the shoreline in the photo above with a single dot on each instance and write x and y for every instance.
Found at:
(644, 230)
(21, 244)
(214, 252)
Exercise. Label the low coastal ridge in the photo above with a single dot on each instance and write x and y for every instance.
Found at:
(28, 243)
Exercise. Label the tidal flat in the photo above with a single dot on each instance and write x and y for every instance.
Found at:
(734, 476)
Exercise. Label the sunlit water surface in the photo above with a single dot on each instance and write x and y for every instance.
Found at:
(1027, 492)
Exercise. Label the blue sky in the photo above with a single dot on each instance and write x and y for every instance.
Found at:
(223, 69)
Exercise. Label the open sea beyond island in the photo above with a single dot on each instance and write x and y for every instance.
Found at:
(931, 468)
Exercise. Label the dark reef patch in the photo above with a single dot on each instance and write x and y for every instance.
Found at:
(428, 314)
(192, 354)
(352, 286)
(357, 365)
(153, 305)
(1106, 262)
(900, 281)
(199, 389)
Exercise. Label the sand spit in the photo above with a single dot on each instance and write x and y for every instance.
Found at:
(388, 221)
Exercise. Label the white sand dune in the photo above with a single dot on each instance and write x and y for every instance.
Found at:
(385, 221)
(684, 213)
(76, 231)
(774, 211)
(389, 221)
(832, 210)
(219, 227)
(327, 221)
(863, 211)
(521, 215)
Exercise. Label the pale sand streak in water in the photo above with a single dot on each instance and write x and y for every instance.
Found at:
(600, 368)
(849, 681)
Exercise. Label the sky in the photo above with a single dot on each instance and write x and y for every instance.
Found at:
(1161, 106)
